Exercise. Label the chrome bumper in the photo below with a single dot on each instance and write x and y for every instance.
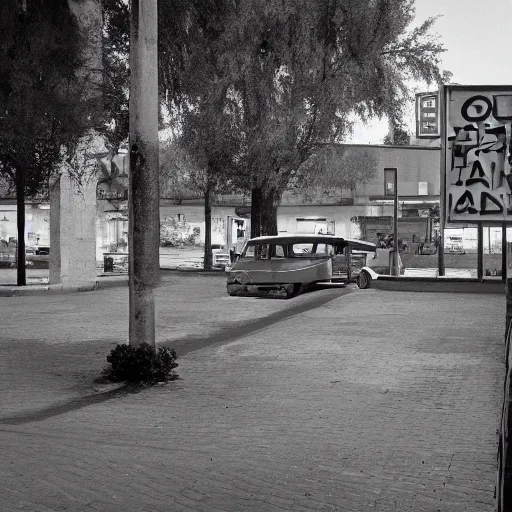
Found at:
(279, 291)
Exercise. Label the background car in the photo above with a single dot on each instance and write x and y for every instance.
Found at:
(285, 265)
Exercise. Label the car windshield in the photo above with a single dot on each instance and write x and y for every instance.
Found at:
(282, 250)
(264, 251)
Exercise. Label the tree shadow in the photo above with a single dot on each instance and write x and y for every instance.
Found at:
(182, 346)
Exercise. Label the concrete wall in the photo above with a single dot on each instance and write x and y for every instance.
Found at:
(341, 215)
(415, 164)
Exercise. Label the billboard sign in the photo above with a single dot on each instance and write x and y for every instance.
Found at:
(477, 153)
(427, 116)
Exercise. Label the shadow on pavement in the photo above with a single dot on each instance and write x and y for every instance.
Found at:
(192, 343)
(182, 346)
(71, 405)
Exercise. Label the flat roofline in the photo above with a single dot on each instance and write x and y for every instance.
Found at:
(501, 87)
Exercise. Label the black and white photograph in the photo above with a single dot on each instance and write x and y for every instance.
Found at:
(255, 256)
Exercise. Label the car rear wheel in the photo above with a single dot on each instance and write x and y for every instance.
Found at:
(364, 280)
(297, 289)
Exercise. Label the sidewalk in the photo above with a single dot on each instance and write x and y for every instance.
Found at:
(361, 403)
(37, 281)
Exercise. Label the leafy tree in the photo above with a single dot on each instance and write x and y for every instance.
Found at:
(213, 145)
(198, 91)
(310, 66)
(292, 73)
(297, 70)
(116, 72)
(177, 173)
(397, 136)
(42, 102)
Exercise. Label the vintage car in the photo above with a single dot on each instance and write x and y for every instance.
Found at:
(37, 256)
(285, 265)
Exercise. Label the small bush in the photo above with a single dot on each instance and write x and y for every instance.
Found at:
(141, 365)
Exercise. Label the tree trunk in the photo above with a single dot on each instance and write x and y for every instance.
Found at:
(207, 261)
(20, 218)
(269, 204)
(256, 198)
(144, 194)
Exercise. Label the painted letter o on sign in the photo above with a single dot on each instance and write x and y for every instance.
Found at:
(476, 108)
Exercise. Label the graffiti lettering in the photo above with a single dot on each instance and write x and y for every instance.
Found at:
(478, 155)
(477, 167)
(485, 196)
(465, 203)
(476, 108)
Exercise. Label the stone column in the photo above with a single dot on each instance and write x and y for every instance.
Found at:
(73, 215)
(73, 192)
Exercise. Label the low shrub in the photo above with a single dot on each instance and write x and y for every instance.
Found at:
(141, 365)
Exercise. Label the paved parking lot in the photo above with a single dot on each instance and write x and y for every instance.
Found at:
(349, 400)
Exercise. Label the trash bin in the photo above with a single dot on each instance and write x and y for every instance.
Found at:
(108, 264)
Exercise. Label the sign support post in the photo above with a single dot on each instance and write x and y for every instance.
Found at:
(480, 255)
(442, 188)
(395, 223)
(503, 252)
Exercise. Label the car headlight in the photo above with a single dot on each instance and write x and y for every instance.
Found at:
(238, 278)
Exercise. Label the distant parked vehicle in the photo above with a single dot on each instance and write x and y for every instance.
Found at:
(454, 245)
(427, 248)
(220, 257)
(37, 256)
(388, 242)
(38, 250)
(285, 265)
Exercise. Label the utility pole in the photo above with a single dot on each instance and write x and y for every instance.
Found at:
(144, 196)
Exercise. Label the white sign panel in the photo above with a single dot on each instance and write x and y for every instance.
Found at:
(427, 116)
(478, 155)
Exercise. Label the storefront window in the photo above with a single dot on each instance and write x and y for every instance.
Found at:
(492, 257)
(460, 252)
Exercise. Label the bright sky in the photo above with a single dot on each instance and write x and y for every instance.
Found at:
(476, 35)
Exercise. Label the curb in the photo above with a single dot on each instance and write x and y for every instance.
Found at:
(58, 289)
(437, 284)
(193, 270)
(391, 283)
(101, 283)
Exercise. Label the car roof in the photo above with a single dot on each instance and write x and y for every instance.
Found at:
(310, 238)
(293, 237)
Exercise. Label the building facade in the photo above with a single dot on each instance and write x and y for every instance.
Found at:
(357, 213)
(365, 212)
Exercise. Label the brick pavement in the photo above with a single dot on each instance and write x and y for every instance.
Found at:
(374, 401)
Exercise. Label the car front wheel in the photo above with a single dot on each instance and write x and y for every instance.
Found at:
(364, 280)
